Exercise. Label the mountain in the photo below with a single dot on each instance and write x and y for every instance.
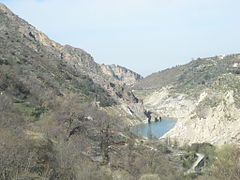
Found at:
(202, 95)
(21, 43)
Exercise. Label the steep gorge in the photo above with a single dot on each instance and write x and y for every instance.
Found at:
(63, 116)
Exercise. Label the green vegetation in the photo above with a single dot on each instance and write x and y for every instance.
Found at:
(93, 91)
(30, 111)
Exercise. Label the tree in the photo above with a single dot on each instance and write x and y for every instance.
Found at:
(105, 143)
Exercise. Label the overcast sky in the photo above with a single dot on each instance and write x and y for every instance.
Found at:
(144, 35)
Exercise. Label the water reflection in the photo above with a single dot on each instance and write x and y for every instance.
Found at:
(155, 129)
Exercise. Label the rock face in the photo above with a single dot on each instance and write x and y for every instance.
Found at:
(202, 95)
(121, 74)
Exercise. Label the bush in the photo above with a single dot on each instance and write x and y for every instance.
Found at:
(227, 163)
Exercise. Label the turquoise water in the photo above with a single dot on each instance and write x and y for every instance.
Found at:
(155, 129)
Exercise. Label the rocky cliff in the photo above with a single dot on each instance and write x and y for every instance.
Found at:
(121, 74)
(202, 95)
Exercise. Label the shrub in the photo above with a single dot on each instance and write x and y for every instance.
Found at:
(227, 163)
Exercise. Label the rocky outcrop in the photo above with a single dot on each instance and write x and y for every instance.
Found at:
(121, 74)
(202, 95)
(131, 105)
(199, 119)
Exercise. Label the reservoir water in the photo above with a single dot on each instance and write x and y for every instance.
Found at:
(154, 129)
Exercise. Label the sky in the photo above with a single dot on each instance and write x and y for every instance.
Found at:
(145, 36)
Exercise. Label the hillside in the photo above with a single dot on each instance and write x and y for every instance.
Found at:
(203, 95)
(196, 73)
